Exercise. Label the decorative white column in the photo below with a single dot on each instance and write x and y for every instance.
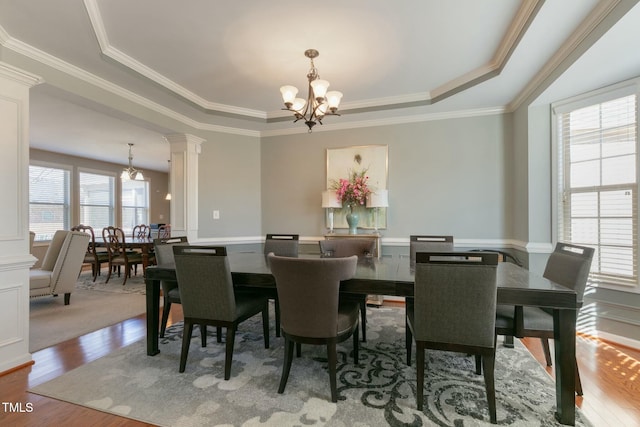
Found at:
(183, 184)
(15, 259)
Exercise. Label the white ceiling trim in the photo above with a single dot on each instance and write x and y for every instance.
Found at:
(114, 53)
(18, 75)
(586, 27)
(417, 118)
(525, 15)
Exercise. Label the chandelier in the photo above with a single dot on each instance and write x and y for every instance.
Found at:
(319, 102)
(131, 173)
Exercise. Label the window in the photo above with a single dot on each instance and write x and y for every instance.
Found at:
(97, 200)
(49, 202)
(135, 204)
(598, 179)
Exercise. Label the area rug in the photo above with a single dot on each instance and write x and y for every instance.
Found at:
(135, 284)
(51, 322)
(379, 390)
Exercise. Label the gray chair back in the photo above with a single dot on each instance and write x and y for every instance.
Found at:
(569, 265)
(163, 248)
(455, 297)
(429, 244)
(206, 287)
(282, 244)
(339, 248)
(308, 290)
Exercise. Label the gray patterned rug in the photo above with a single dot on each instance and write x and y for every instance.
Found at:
(135, 284)
(379, 391)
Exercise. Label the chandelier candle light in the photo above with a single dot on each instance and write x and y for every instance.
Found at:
(319, 102)
(131, 173)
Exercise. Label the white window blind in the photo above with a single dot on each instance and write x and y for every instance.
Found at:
(49, 202)
(599, 186)
(135, 204)
(97, 200)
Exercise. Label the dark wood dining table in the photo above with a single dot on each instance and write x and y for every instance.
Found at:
(144, 244)
(395, 276)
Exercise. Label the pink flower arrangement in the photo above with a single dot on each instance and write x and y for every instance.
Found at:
(354, 190)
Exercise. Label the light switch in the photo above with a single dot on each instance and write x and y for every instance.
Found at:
(216, 214)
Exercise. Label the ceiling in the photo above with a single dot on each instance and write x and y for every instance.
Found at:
(219, 65)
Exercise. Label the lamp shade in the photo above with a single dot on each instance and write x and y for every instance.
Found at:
(330, 199)
(378, 199)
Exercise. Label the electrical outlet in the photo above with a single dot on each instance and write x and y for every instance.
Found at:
(216, 214)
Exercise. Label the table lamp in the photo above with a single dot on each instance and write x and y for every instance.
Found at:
(330, 201)
(377, 199)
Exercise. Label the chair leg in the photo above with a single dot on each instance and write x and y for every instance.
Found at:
(356, 346)
(408, 341)
(166, 307)
(488, 364)
(363, 318)
(420, 374)
(218, 334)
(265, 324)
(286, 367)
(478, 364)
(231, 338)
(94, 271)
(203, 335)
(547, 351)
(508, 341)
(298, 349)
(578, 382)
(67, 298)
(332, 358)
(109, 275)
(277, 313)
(186, 340)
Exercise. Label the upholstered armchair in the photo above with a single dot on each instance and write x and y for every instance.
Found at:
(60, 266)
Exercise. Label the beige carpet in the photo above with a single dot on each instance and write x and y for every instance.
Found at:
(51, 322)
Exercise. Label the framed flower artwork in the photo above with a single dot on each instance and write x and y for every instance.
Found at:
(367, 161)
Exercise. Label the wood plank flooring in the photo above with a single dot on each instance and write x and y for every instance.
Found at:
(610, 379)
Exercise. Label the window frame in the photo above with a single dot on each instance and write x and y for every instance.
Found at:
(114, 197)
(146, 208)
(68, 209)
(559, 181)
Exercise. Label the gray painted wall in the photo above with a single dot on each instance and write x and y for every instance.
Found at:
(445, 177)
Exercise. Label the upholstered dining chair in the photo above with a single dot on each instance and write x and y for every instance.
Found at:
(281, 245)
(454, 310)
(429, 243)
(363, 248)
(208, 298)
(114, 240)
(163, 248)
(568, 265)
(311, 309)
(93, 257)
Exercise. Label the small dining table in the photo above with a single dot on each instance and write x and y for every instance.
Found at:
(394, 275)
(145, 244)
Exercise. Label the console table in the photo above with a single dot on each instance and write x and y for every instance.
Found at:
(372, 236)
(371, 299)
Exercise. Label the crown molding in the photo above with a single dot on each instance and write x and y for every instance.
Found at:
(569, 47)
(525, 15)
(18, 75)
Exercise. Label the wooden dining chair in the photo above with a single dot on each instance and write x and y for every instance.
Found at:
(163, 248)
(93, 256)
(164, 231)
(454, 310)
(208, 298)
(568, 265)
(141, 231)
(362, 248)
(312, 310)
(119, 256)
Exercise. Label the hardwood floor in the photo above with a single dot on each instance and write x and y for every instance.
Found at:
(610, 379)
